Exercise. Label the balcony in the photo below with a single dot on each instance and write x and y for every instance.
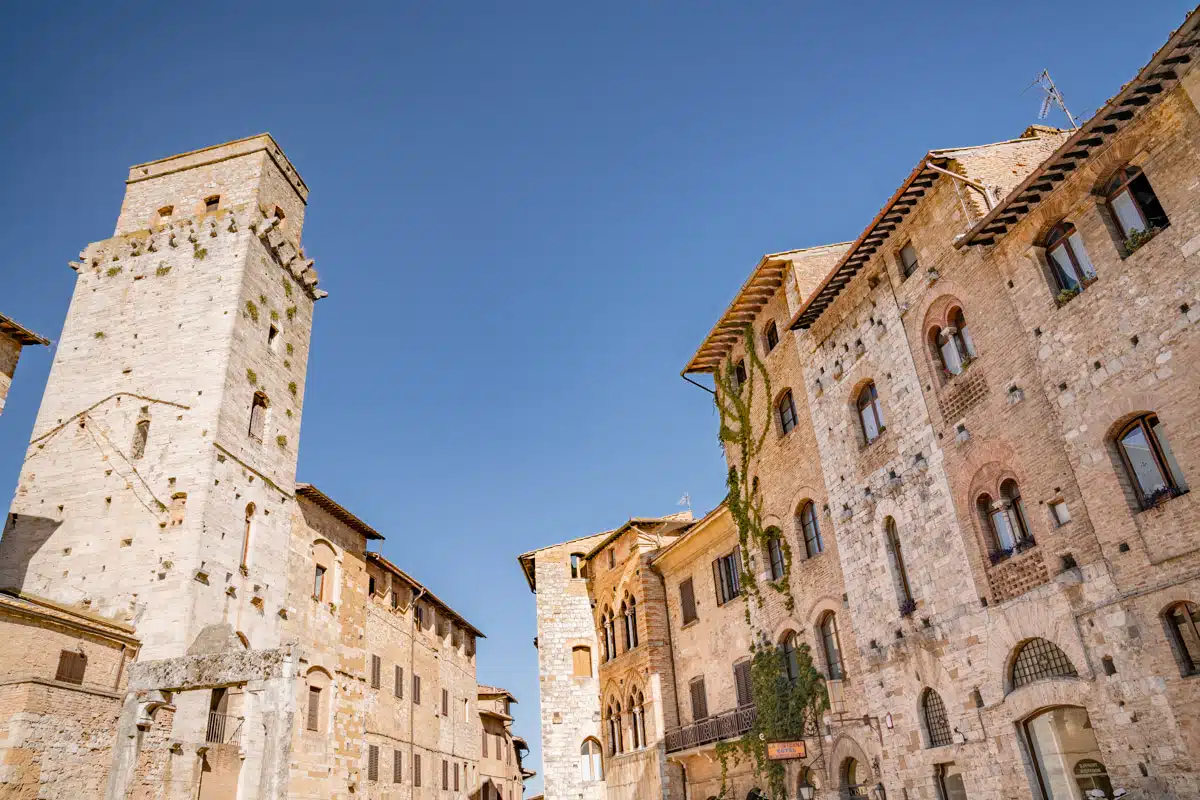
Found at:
(726, 725)
(222, 728)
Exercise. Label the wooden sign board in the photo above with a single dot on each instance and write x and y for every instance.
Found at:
(786, 751)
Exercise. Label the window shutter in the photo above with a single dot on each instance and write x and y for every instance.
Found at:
(399, 682)
(699, 700)
(314, 695)
(71, 666)
(445, 774)
(456, 776)
(485, 750)
(741, 680)
(717, 582)
(687, 599)
(735, 572)
(372, 763)
(376, 666)
(397, 767)
(416, 769)
(445, 703)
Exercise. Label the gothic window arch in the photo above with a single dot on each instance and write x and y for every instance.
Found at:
(629, 615)
(258, 416)
(785, 409)
(1003, 518)
(937, 725)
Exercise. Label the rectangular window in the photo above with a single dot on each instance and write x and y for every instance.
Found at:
(399, 690)
(371, 586)
(739, 375)
(372, 763)
(1060, 512)
(445, 703)
(258, 416)
(211, 204)
(699, 700)
(445, 774)
(319, 583)
(71, 665)
(787, 413)
(419, 611)
(687, 601)
(772, 336)
(727, 576)
(741, 683)
(485, 744)
(314, 708)
(456, 776)
(397, 767)
(612, 558)
(908, 259)
(395, 599)
(376, 667)
(416, 689)
(416, 769)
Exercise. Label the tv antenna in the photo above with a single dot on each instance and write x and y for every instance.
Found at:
(1052, 97)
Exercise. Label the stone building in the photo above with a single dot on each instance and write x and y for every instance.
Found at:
(502, 776)
(979, 441)
(195, 623)
(13, 337)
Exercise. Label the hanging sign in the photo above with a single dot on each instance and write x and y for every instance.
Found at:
(786, 751)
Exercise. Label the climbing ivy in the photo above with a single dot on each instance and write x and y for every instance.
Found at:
(787, 710)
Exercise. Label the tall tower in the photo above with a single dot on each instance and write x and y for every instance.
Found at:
(157, 486)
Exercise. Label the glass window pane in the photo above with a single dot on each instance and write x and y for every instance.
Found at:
(968, 342)
(1004, 534)
(1063, 267)
(870, 428)
(951, 358)
(1184, 621)
(1064, 746)
(1160, 436)
(1141, 460)
(1127, 213)
(1081, 255)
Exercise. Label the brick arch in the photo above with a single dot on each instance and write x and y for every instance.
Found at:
(1127, 407)
(935, 310)
(820, 607)
(783, 628)
(1022, 621)
(1125, 150)
(846, 747)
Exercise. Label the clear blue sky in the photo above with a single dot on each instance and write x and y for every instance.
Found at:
(527, 216)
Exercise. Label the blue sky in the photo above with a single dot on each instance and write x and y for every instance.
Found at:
(527, 216)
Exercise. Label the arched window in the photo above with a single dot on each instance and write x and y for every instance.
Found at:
(606, 652)
(1068, 259)
(870, 413)
(610, 634)
(812, 532)
(771, 335)
(578, 566)
(245, 562)
(637, 710)
(786, 407)
(903, 588)
(739, 374)
(1132, 202)
(936, 723)
(791, 661)
(616, 742)
(591, 765)
(1149, 462)
(953, 344)
(629, 612)
(1005, 521)
(775, 553)
(140, 434)
(258, 416)
(831, 644)
(1183, 620)
(1039, 659)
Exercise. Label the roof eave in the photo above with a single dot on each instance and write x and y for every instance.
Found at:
(19, 332)
(427, 593)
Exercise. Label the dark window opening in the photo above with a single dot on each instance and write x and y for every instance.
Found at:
(786, 408)
(772, 336)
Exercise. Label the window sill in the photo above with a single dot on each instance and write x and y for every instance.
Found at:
(998, 557)
(1127, 254)
(690, 624)
(1173, 495)
(871, 444)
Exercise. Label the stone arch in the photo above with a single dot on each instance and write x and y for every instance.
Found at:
(820, 607)
(846, 747)
(783, 629)
(1029, 700)
(319, 673)
(936, 311)
(244, 639)
(1027, 619)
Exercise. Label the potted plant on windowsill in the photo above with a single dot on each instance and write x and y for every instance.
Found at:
(1138, 238)
(1024, 544)
(1066, 295)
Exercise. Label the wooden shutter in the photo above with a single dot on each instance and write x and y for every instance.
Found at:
(376, 667)
(735, 572)
(372, 763)
(416, 769)
(445, 703)
(416, 689)
(687, 599)
(397, 767)
(581, 661)
(445, 774)
(399, 682)
(741, 682)
(485, 750)
(699, 700)
(456, 776)
(314, 708)
(717, 582)
(71, 666)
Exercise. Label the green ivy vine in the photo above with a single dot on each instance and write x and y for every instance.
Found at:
(787, 710)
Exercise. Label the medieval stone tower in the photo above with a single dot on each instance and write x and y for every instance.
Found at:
(159, 480)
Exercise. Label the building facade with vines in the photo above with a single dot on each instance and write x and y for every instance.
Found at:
(960, 450)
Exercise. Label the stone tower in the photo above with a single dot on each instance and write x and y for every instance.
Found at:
(155, 486)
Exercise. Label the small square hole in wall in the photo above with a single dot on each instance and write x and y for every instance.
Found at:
(1059, 512)
(211, 204)
(273, 337)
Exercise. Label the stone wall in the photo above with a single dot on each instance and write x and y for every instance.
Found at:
(10, 352)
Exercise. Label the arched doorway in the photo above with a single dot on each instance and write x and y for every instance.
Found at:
(855, 779)
(1065, 753)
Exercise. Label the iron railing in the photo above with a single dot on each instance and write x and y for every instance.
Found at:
(726, 725)
(222, 728)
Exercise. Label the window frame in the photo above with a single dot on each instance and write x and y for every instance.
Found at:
(836, 667)
(815, 539)
(1120, 182)
(936, 720)
(785, 409)
(776, 561)
(1060, 236)
(907, 270)
(872, 403)
(1173, 485)
(908, 603)
(727, 576)
(771, 336)
(1188, 664)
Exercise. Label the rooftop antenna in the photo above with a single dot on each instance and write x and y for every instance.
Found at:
(1052, 97)
(685, 501)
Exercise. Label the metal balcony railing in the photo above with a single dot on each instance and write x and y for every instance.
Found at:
(222, 728)
(726, 725)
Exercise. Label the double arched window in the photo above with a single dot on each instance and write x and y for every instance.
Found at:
(1069, 262)
(591, 763)
(1149, 462)
(629, 615)
(1005, 521)
(1133, 204)
(608, 636)
(870, 413)
(936, 723)
(616, 740)
(832, 646)
(807, 519)
(637, 713)
(952, 345)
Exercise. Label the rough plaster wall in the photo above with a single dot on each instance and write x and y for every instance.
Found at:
(10, 351)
